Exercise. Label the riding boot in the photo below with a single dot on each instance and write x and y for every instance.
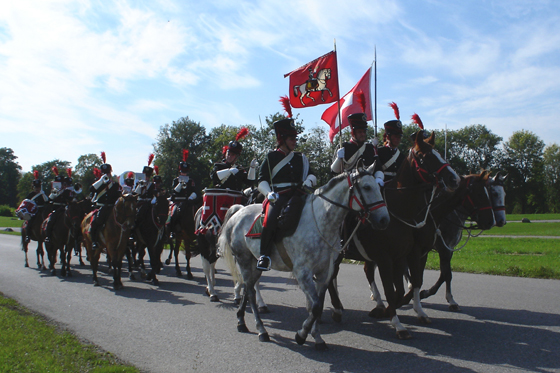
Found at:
(264, 262)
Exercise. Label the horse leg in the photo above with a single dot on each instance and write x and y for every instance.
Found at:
(379, 310)
(417, 263)
(130, 262)
(237, 297)
(263, 308)
(315, 302)
(117, 266)
(209, 273)
(333, 292)
(154, 264)
(40, 256)
(174, 246)
(386, 272)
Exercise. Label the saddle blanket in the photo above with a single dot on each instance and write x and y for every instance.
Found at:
(256, 228)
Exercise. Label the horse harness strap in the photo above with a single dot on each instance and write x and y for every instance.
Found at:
(353, 159)
(391, 161)
(284, 255)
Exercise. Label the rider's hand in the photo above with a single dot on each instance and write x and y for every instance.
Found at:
(254, 163)
(375, 141)
(380, 181)
(272, 197)
(340, 153)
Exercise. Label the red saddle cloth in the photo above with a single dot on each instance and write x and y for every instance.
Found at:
(216, 202)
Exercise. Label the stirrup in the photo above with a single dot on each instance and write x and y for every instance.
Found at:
(47, 240)
(27, 239)
(94, 245)
(263, 263)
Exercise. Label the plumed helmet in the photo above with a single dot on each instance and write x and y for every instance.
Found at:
(157, 178)
(358, 121)
(129, 180)
(68, 179)
(235, 146)
(184, 166)
(394, 127)
(285, 127)
(105, 167)
(147, 170)
(416, 119)
(36, 181)
(57, 177)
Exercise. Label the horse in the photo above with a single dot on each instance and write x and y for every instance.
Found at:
(451, 233)
(75, 238)
(32, 229)
(423, 170)
(150, 233)
(309, 252)
(303, 90)
(183, 233)
(113, 236)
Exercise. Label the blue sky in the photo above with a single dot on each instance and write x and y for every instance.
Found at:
(79, 77)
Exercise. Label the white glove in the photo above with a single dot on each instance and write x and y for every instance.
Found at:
(106, 179)
(272, 197)
(192, 196)
(340, 153)
(234, 170)
(311, 181)
(380, 181)
(254, 163)
(375, 141)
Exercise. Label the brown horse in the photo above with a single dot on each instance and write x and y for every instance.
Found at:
(76, 211)
(113, 236)
(32, 228)
(183, 233)
(423, 170)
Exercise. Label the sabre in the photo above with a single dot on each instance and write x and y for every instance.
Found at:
(267, 162)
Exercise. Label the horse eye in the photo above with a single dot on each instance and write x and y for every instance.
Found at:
(367, 187)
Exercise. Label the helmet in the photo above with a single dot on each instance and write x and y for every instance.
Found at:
(130, 177)
(147, 170)
(68, 179)
(358, 121)
(393, 127)
(57, 177)
(285, 128)
(105, 167)
(184, 166)
(235, 146)
(36, 182)
(157, 178)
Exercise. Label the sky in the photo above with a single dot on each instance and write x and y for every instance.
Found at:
(85, 76)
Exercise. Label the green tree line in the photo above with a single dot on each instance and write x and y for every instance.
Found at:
(532, 184)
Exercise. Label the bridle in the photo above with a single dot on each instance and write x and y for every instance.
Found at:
(423, 172)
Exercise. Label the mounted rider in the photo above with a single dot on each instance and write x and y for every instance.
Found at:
(105, 192)
(38, 197)
(128, 185)
(62, 193)
(183, 190)
(282, 175)
(390, 156)
(147, 189)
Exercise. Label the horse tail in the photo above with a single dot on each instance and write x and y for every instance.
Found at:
(224, 247)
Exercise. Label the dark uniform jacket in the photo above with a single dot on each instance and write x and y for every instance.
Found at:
(63, 198)
(185, 192)
(368, 156)
(234, 182)
(107, 194)
(385, 154)
(290, 176)
(39, 198)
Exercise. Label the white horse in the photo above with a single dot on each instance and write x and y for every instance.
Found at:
(310, 252)
(303, 90)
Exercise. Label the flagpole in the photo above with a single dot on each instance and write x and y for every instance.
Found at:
(338, 101)
(375, 89)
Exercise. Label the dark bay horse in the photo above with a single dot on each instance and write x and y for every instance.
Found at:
(113, 236)
(149, 233)
(33, 230)
(183, 233)
(452, 228)
(424, 170)
(77, 211)
(308, 253)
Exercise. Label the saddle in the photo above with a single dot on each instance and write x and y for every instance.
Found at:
(312, 84)
(287, 221)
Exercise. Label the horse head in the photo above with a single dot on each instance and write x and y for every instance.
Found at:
(497, 192)
(477, 201)
(125, 210)
(160, 210)
(365, 197)
(430, 166)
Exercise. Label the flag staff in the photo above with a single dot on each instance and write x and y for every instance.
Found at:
(338, 100)
(375, 90)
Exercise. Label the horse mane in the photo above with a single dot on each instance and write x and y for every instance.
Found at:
(331, 183)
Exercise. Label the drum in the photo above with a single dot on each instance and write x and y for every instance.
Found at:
(217, 201)
(26, 209)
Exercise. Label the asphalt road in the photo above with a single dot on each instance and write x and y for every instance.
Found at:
(506, 324)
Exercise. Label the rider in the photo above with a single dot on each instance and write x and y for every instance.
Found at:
(62, 193)
(390, 156)
(281, 176)
(183, 189)
(146, 190)
(38, 196)
(227, 174)
(128, 186)
(107, 192)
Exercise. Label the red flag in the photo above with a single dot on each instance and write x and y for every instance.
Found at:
(314, 83)
(349, 105)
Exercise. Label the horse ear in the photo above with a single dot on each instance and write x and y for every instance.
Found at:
(432, 139)
(371, 168)
(360, 165)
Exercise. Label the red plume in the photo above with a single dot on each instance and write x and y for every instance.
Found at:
(36, 174)
(104, 157)
(130, 175)
(69, 172)
(150, 159)
(361, 98)
(416, 119)
(243, 132)
(156, 169)
(396, 110)
(224, 150)
(285, 100)
(55, 170)
(185, 155)
(97, 173)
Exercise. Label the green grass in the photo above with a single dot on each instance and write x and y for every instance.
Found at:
(30, 344)
(521, 257)
(6, 221)
(516, 217)
(525, 229)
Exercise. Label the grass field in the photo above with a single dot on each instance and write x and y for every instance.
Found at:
(28, 343)
(525, 229)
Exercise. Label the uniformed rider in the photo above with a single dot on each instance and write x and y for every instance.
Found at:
(62, 193)
(281, 176)
(390, 156)
(39, 197)
(106, 193)
(146, 190)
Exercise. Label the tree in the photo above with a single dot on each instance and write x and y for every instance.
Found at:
(522, 159)
(168, 149)
(9, 177)
(551, 159)
(83, 172)
(45, 174)
(475, 145)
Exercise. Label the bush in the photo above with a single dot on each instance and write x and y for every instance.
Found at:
(6, 210)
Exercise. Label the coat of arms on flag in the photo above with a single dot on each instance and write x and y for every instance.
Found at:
(314, 83)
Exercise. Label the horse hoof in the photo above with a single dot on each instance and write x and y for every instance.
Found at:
(238, 301)
(264, 310)
(454, 308)
(95, 283)
(131, 277)
(321, 346)
(299, 339)
(190, 276)
(155, 282)
(337, 317)
(425, 320)
(403, 334)
(264, 337)
(179, 273)
(167, 261)
(242, 328)
(214, 298)
(377, 313)
(26, 265)
(69, 274)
